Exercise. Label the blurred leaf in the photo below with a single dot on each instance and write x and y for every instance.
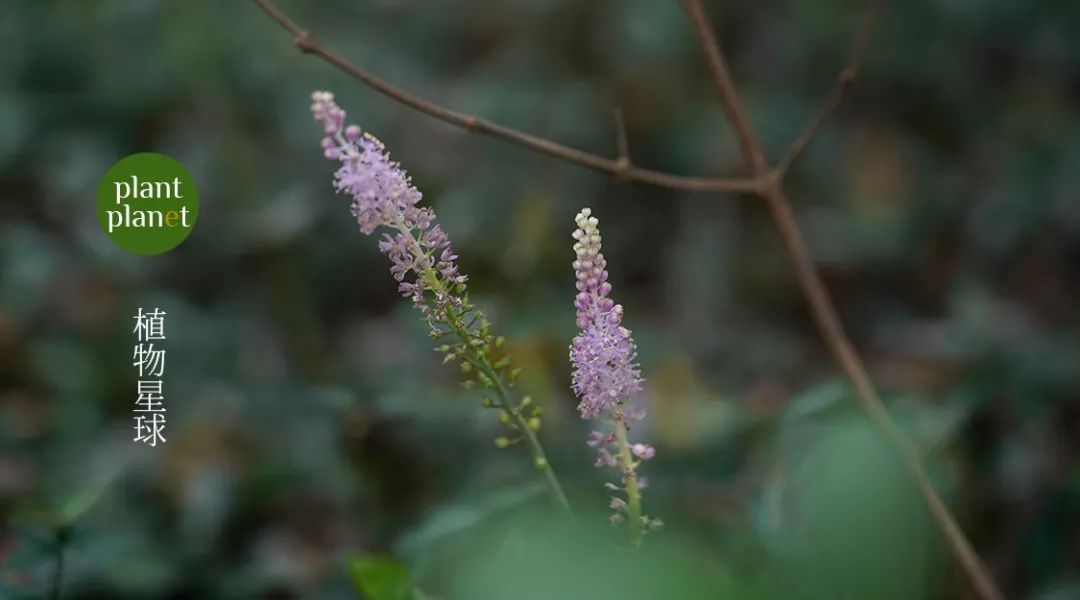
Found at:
(839, 489)
(382, 578)
(816, 401)
(1063, 591)
(537, 557)
(456, 518)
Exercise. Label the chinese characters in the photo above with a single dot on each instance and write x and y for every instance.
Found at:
(149, 362)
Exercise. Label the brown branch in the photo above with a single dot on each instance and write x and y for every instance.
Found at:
(844, 80)
(721, 76)
(622, 142)
(824, 311)
(308, 44)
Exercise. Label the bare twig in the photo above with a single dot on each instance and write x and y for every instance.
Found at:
(621, 140)
(822, 306)
(308, 44)
(721, 76)
(844, 80)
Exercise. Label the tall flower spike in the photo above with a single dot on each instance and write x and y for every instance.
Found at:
(425, 267)
(606, 376)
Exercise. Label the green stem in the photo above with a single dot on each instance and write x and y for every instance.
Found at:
(633, 493)
(535, 448)
(479, 360)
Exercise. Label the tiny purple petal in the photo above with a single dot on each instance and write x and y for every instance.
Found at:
(604, 458)
(643, 451)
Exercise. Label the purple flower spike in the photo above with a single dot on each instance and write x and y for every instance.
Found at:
(606, 374)
(603, 354)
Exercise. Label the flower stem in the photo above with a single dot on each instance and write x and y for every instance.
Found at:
(505, 403)
(480, 360)
(535, 448)
(633, 493)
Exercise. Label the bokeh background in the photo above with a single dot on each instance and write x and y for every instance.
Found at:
(309, 419)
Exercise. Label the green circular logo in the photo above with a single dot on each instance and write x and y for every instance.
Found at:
(147, 203)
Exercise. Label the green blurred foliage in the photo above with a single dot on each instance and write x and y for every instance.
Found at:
(309, 420)
(381, 578)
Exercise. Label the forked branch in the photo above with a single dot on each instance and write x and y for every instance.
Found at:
(821, 305)
(844, 80)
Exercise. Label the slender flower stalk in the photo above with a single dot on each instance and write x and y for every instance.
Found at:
(606, 376)
(425, 267)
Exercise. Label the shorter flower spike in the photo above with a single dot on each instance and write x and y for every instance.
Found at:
(606, 374)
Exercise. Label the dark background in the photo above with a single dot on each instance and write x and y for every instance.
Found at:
(309, 420)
